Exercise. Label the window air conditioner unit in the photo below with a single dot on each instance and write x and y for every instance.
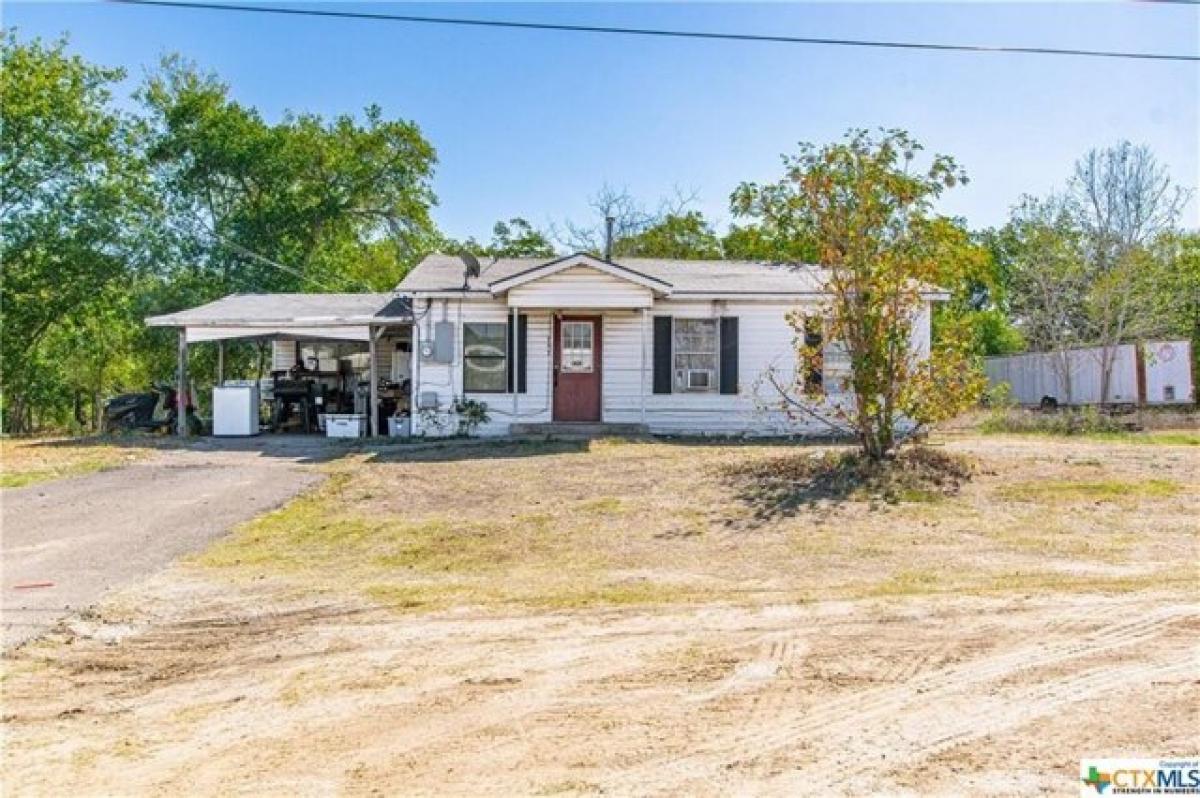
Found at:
(699, 379)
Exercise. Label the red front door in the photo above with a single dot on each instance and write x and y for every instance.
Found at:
(577, 368)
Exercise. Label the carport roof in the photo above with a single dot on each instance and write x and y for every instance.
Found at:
(292, 310)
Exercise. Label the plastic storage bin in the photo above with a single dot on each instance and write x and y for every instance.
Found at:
(345, 425)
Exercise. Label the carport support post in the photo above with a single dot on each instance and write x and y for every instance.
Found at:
(220, 362)
(181, 426)
(373, 421)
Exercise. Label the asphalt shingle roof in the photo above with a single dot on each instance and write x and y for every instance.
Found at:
(313, 309)
(445, 273)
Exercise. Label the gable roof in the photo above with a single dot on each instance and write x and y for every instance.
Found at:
(548, 268)
(440, 273)
(291, 309)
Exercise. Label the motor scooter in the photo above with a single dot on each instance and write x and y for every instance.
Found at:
(154, 410)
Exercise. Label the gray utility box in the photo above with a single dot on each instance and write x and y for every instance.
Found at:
(443, 342)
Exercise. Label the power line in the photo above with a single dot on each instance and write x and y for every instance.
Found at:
(658, 32)
(249, 253)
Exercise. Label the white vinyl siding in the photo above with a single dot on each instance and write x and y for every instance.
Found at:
(764, 344)
(580, 287)
(446, 379)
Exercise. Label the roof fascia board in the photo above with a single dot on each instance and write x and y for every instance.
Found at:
(451, 293)
(933, 296)
(580, 259)
(166, 321)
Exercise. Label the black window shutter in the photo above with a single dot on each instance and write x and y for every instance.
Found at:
(662, 354)
(729, 354)
(522, 353)
(509, 360)
(519, 362)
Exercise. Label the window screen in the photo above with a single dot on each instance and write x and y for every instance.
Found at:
(485, 357)
(695, 354)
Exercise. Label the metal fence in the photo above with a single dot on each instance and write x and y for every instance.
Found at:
(1152, 373)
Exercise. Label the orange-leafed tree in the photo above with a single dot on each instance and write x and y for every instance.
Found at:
(864, 205)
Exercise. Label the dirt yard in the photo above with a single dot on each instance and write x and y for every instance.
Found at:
(645, 618)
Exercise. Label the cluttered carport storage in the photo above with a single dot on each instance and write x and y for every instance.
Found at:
(326, 386)
(340, 364)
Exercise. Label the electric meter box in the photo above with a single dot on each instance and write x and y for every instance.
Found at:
(443, 342)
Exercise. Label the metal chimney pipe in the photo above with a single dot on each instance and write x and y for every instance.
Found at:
(608, 237)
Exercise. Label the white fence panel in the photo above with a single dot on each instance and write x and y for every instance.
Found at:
(1169, 378)
(1032, 376)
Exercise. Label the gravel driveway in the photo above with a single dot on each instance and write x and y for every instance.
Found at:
(88, 534)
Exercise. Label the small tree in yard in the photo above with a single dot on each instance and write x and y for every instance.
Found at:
(865, 208)
(1094, 265)
(1123, 199)
(1049, 281)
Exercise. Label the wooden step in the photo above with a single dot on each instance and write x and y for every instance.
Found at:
(561, 429)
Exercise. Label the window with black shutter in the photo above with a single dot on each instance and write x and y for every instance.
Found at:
(487, 366)
(814, 366)
(662, 354)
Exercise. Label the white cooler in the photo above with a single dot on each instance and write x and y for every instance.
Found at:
(345, 425)
(235, 410)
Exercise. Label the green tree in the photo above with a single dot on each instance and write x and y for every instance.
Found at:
(73, 203)
(1121, 198)
(978, 294)
(865, 205)
(1048, 281)
(1172, 284)
(301, 205)
(517, 238)
(680, 236)
(98, 352)
(1087, 266)
(766, 243)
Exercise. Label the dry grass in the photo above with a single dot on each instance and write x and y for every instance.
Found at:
(778, 485)
(1100, 490)
(624, 618)
(617, 523)
(29, 461)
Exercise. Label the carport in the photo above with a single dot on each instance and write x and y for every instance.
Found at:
(336, 318)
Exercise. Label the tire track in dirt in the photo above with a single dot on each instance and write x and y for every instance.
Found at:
(990, 714)
(456, 731)
(784, 653)
(933, 684)
(848, 716)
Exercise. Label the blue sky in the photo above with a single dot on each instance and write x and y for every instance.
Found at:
(530, 123)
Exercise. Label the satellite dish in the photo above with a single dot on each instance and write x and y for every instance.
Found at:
(470, 266)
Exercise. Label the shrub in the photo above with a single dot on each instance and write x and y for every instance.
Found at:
(1084, 421)
(781, 485)
(471, 414)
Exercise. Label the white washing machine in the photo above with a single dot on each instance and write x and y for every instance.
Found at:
(235, 410)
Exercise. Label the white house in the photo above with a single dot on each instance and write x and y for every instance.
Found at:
(666, 346)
